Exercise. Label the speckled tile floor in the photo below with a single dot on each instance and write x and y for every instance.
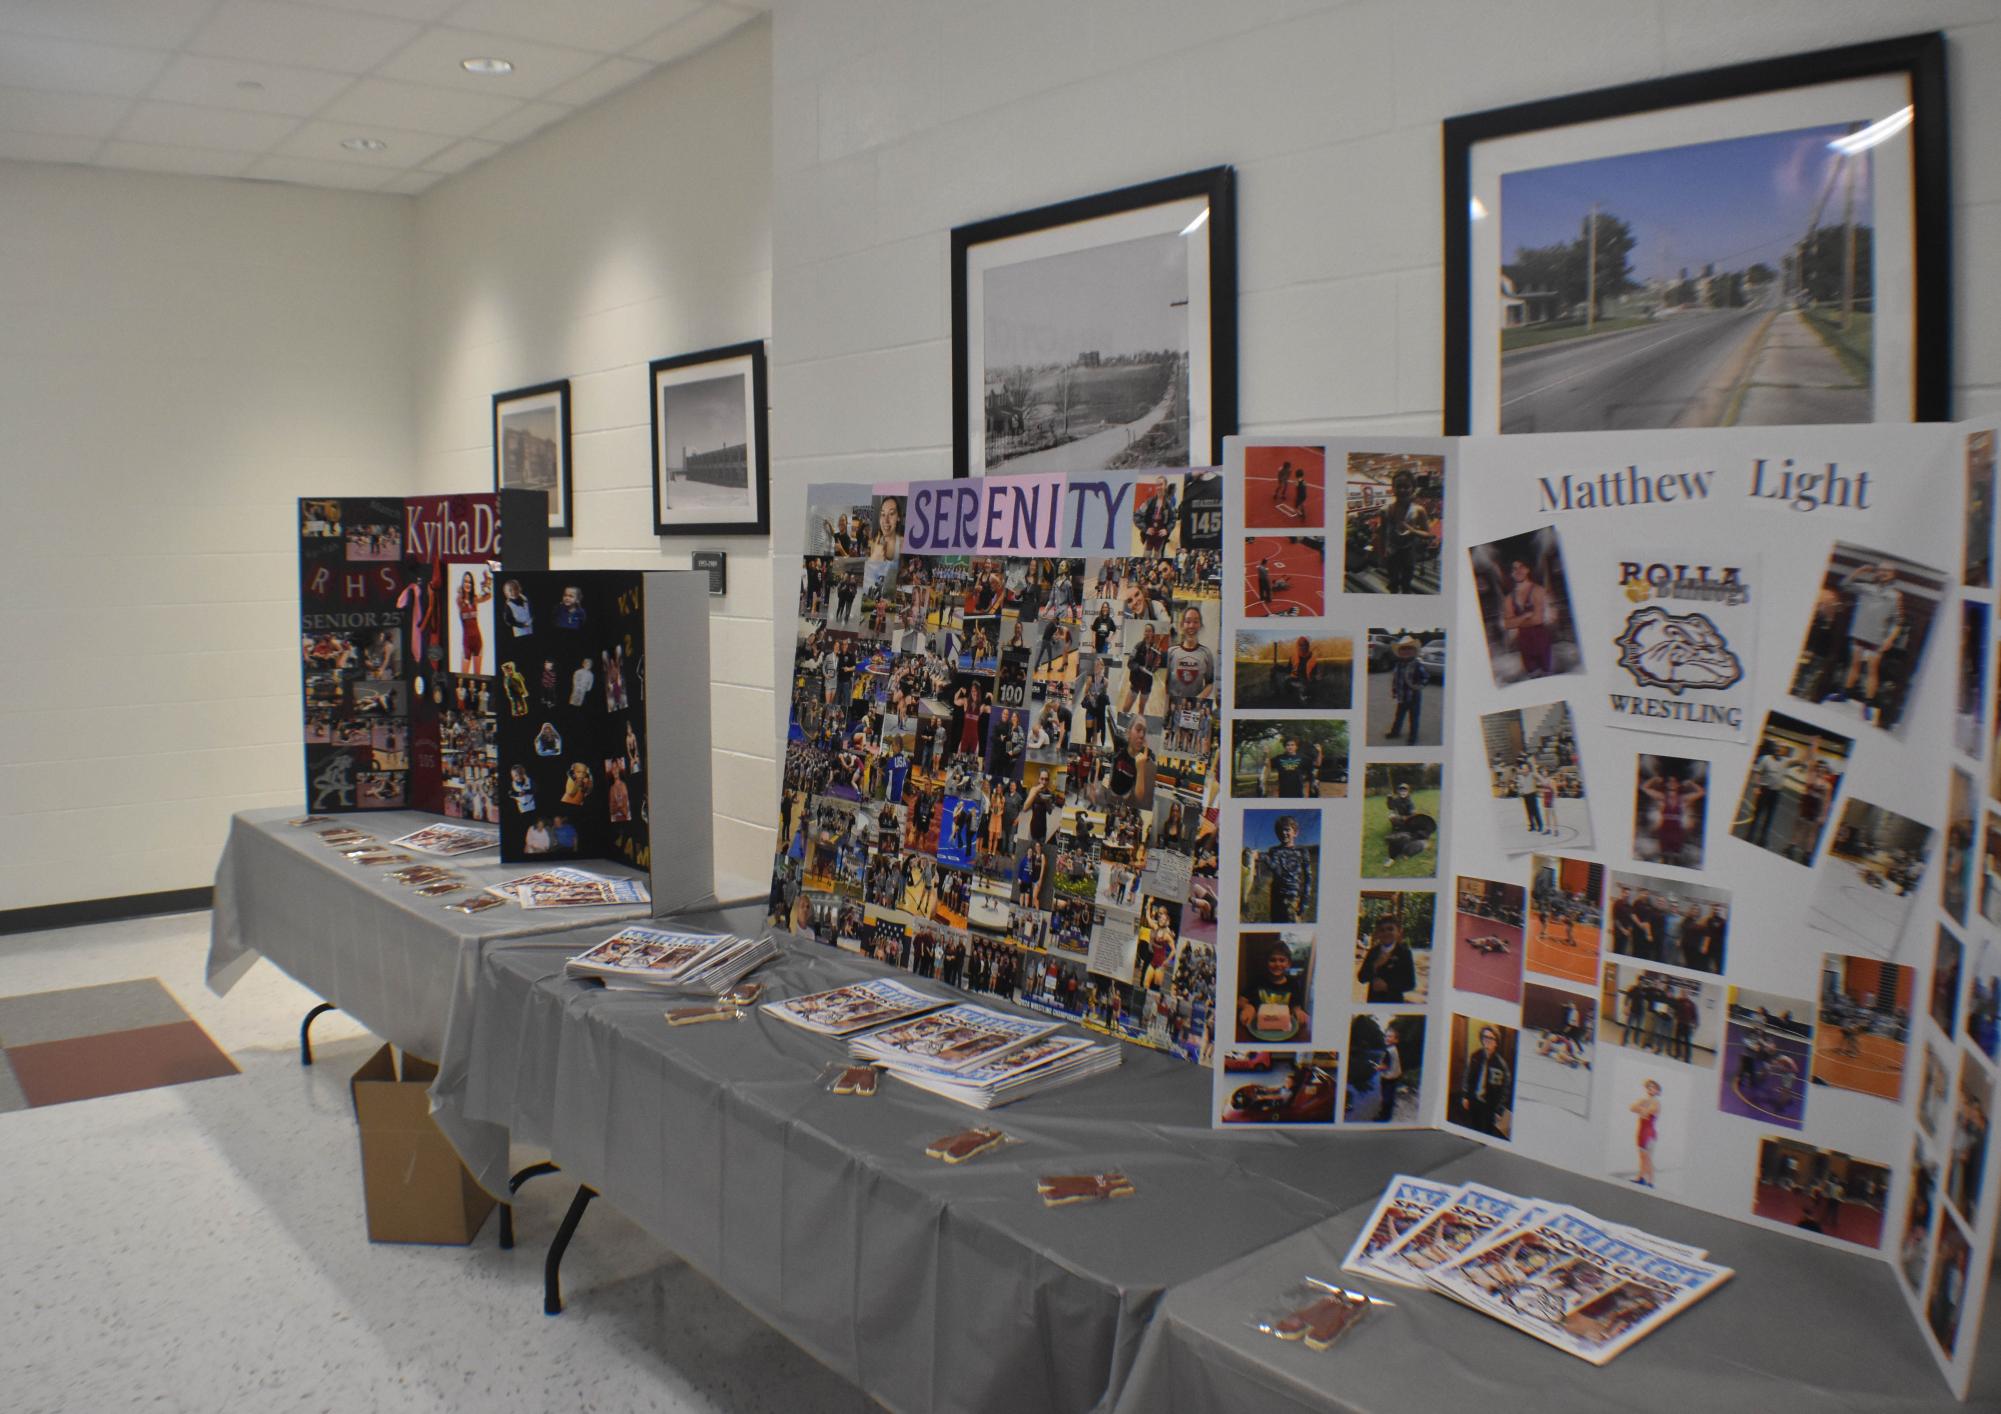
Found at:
(201, 1248)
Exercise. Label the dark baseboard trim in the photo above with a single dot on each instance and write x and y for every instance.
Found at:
(103, 910)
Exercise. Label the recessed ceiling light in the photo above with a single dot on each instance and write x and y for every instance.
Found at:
(489, 68)
(250, 85)
(365, 144)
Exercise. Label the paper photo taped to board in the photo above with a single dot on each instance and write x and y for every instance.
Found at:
(1285, 576)
(1947, 1300)
(1977, 561)
(1969, 716)
(1790, 789)
(1279, 669)
(1869, 877)
(1865, 1025)
(1277, 1087)
(1285, 488)
(1865, 639)
(1489, 937)
(1990, 869)
(1920, 1206)
(1288, 758)
(1480, 1067)
(1385, 1068)
(1395, 518)
(1669, 921)
(1956, 876)
(1281, 866)
(1933, 1087)
(1972, 1121)
(1566, 918)
(1767, 1052)
(1687, 644)
(1948, 960)
(1536, 778)
(1983, 998)
(1525, 608)
(1275, 988)
(1393, 953)
(1401, 806)
(1406, 686)
(1670, 810)
(1821, 1191)
(1661, 1014)
(1556, 1067)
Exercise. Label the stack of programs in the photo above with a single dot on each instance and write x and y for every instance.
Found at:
(1584, 1285)
(982, 1057)
(855, 1007)
(570, 888)
(708, 964)
(449, 839)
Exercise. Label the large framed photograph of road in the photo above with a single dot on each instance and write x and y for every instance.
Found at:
(1754, 245)
(1098, 334)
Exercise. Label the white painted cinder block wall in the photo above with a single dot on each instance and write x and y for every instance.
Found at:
(895, 120)
(637, 229)
(180, 359)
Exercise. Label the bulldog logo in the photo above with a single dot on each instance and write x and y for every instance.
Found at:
(1676, 652)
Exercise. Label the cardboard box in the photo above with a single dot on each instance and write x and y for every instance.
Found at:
(416, 1188)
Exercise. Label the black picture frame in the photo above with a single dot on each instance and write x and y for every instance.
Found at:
(1920, 59)
(562, 521)
(1216, 186)
(730, 360)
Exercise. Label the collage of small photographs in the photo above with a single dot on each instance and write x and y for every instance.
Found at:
(1625, 964)
(1000, 771)
(1336, 725)
(399, 686)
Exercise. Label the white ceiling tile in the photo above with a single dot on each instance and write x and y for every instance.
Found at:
(191, 161)
(216, 83)
(47, 147)
(434, 58)
(608, 77)
(461, 155)
(284, 34)
(410, 183)
(698, 31)
(323, 140)
(68, 66)
(183, 125)
(60, 114)
(528, 118)
(422, 11)
(146, 24)
(311, 172)
(604, 25)
(419, 108)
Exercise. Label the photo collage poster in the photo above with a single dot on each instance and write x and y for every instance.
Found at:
(396, 625)
(1000, 765)
(570, 658)
(1723, 911)
(1334, 795)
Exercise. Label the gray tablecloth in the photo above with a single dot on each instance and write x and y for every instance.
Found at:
(1799, 1327)
(380, 952)
(931, 1286)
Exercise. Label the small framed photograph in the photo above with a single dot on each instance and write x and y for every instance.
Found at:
(531, 446)
(711, 464)
(1099, 333)
(1763, 243)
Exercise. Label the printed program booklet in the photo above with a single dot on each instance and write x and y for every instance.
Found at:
(449, 840)
(842, 1011)
(707, 963)
(570, 888)
(951, 1040)
(1407, 1202)
(1472, 1214)
(1585, 1286)
(1026, 1070)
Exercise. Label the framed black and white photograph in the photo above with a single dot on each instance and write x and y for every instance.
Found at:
(1754, 245)
(711, 470)
(1099, 333)
(531, 446)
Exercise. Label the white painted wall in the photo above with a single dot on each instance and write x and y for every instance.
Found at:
(895, 120)
(180, 358)
(638, 229)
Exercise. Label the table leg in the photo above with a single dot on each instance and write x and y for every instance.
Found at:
(513, 1187)
(552, 1270)
(306, 1031)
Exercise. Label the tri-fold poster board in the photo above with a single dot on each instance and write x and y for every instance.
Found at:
(1628, 800)
(446, 669)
